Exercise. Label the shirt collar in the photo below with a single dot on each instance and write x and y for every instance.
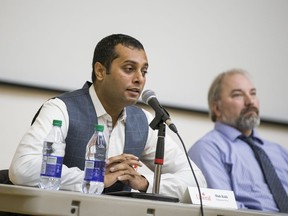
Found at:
(101, 112)
(232, 133)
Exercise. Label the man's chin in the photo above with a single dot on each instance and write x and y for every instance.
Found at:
(250, 115)
(249, 123)
(131, 101)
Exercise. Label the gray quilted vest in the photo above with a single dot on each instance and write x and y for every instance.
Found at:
(83, 117)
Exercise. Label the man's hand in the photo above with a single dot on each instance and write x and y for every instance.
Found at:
(124, 168)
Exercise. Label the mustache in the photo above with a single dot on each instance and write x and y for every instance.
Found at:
(250, 109)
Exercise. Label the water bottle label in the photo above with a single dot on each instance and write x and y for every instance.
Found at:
(94, 170)
(52, 166)
(101, 149)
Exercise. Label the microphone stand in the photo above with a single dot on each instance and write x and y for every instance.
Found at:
(158, 123)
(159, 158)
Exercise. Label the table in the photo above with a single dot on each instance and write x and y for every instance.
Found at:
(35, 201)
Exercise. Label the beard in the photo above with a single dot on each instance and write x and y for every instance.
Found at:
(248, 122)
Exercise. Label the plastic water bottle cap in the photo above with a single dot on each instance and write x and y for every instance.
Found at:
(57, 123)
(99, 127)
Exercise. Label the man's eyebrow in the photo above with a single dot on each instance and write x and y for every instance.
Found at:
(134, 62)
(128, 60)
(240, 90)
(236, 90)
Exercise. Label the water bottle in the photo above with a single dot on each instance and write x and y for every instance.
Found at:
(95, 163)
(53, 154)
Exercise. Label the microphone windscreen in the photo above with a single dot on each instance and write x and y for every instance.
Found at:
(147, 95)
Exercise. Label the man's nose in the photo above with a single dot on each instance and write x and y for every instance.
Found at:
(249, 99)
(139, 77)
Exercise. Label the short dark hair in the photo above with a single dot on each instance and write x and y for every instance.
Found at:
(105, 50)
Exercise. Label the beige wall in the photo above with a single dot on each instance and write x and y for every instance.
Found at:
(45, 42)
(18, 106)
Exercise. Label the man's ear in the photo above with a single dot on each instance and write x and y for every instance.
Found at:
(99, 70)
(216, 109)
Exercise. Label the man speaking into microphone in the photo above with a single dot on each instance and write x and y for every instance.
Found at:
(119, 71)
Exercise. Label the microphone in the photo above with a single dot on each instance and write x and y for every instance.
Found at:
(149, 97)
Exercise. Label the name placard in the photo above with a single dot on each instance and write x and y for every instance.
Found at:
(213, 197)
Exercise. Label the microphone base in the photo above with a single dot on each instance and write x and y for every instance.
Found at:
(147, 196)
